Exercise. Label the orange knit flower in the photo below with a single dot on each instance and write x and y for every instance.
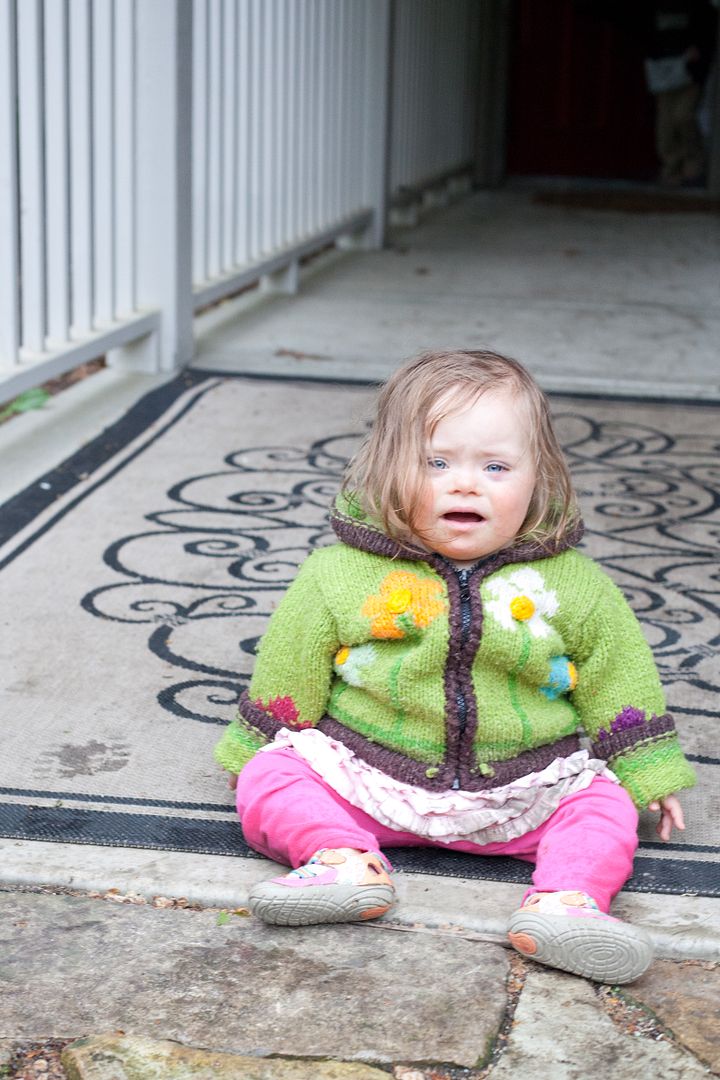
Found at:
(405, 603)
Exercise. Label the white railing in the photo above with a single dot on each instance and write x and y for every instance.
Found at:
(158, 155)
(434, 89)
(67, 192)
(289, 116)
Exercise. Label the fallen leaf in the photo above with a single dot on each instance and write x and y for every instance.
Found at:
(30, 399)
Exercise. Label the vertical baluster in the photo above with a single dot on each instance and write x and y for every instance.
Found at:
(321, 185)
(312, 52)
(291, 134)
(244, 104)
(330, 165)
(164, 66)
(57, 179)
(215, 148)
(256, 207)
(270, 110)
(229, 135)
(398, 137)
(282, 113)
(399, 134)
(200, 155)
(349, 44)
(302, 111)
(456, 50)
(417, 96)
(377, 83)
(125, 140)
(81, 172)
(104, 160)
(432, 61)
(357, 45)
(267, 112)
(345, 65)
(32, 189)
(447, 78)
(9, 191)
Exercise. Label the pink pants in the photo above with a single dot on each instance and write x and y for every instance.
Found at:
(288, 812)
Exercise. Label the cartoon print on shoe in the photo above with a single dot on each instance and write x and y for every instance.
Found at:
(332, 887)
(567, 930)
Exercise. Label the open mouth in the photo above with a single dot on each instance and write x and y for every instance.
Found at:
(463, 517)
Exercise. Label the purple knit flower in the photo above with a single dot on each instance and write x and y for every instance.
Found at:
(626, 719)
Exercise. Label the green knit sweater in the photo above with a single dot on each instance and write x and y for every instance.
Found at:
(439, 676)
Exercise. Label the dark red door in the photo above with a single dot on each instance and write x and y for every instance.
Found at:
(578, 105)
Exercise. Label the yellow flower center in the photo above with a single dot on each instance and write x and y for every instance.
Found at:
(572, 675)
(341, 655)
(522, 608)
(398, 600)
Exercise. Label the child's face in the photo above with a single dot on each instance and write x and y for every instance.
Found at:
(481, 477)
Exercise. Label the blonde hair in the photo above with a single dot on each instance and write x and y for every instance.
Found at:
(388, 474)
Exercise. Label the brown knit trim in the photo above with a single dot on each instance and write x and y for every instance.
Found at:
(359, 535)
(458, 669)
(453, 682)
(529, 761)
(253, 715)
(408, 771)
(651, 730)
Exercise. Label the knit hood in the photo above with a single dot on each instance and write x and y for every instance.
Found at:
(354, 527)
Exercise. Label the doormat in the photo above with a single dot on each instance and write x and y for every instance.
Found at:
(138, 576)
(631, 202)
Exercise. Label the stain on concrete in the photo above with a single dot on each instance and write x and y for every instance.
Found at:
(68, 760)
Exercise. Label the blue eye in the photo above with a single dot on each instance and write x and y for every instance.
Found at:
(437, 463)
(496, 467)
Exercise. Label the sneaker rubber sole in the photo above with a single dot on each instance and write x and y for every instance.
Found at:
(283, 906)
(597, 949)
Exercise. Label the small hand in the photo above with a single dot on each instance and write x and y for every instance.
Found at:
(232, 778)
(671, 815)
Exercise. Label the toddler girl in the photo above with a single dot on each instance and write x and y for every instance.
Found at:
(425, 681)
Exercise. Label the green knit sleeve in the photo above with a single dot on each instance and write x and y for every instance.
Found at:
(620, 700)
(290, 684)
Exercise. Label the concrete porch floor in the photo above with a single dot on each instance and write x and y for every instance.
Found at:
(592, 301)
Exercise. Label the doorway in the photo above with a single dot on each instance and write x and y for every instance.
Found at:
(578, 104)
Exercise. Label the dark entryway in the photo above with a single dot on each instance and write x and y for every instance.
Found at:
(578, 104)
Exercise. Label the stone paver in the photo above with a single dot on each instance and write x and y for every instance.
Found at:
(560, 1031)
(73, 967)
(685, 998)
(127, 1058)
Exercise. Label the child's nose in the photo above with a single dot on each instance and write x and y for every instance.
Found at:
(468, 480)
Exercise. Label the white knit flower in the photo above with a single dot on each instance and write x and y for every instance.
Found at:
(522, 597)
(351, 663)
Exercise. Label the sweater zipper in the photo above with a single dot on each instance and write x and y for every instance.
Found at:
(463, 577)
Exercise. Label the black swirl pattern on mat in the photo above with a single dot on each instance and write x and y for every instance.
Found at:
(651, 502)
(236, 537)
